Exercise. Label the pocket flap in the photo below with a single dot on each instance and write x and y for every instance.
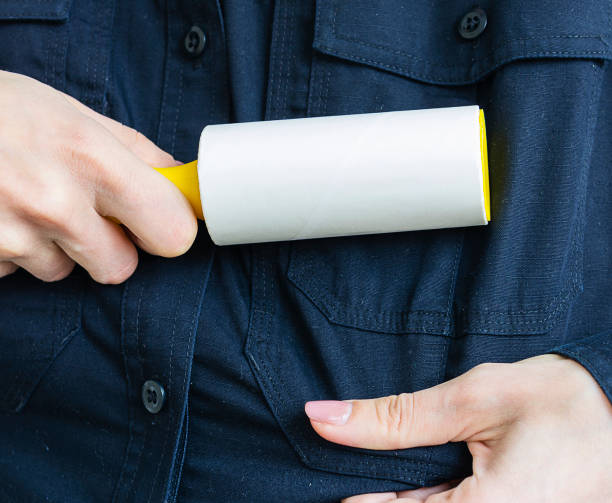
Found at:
(421, 41)
(35, 10)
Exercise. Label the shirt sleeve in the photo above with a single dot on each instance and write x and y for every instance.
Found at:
(595, 354)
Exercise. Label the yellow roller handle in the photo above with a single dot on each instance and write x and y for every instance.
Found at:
(185, 177)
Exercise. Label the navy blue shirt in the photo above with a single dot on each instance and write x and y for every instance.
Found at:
(240, 337)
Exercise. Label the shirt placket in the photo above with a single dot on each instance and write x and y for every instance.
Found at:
(163, 299)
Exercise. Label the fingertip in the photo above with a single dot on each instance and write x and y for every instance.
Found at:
(186, 232)
(179, 238)
(333, 412)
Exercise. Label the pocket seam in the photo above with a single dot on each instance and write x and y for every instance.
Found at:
(562, 300)
(509, 49)
(36, 13)
(417, 471)
(494, 64)
(492, 51)
(19, 392)
(364, 318)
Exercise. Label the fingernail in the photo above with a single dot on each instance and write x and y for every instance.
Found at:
(329, 411)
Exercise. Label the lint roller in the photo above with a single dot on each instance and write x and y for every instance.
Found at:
(340, 175)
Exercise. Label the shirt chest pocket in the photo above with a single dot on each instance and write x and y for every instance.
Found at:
(37, 320)
(536, 70)
(63, 43)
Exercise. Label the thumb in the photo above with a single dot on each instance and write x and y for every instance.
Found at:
(452, 411)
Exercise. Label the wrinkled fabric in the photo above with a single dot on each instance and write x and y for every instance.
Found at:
(241, 336)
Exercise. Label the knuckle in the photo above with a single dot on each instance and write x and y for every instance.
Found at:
(81, 150)
(483, 372)
(76, 137)
(466, 392)
(13, 250)
(52, 208)
(395, 413)
(474, 389)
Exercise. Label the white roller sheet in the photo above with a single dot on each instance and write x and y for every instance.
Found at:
(342, 175)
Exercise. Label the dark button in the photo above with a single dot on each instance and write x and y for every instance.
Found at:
(473, 24)
(195, 40)
(153, 396)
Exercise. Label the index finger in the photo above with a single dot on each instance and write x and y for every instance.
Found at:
(135, 141)
(143, 200)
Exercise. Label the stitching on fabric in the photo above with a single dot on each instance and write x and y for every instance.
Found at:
(502, 44)
(167, 64)
(178, 108)
(191, 342)
(290, 58)
(565, 293)
(272, 67)
(561, 305)
(20, 384)
(110, 31)
(65, 322)
(94, 82)
(576, 249)
(138, 348)
(576, 238)
(281, 66)
(292, 434)
(325, 96)
(342, 465)
(322, 91)
(170, 389)
(383, 313)
(331, 308)
(314, 110)
(313, 88)
(286, 61)
(451, 287)
(53, 77)
(173, 477)
(259, 338)
(59, 14)
(131, 437)
(48, 59)
(140, 448)
(369, 319)
(494, 64)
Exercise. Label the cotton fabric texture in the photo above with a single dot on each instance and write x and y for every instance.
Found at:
(240, 337)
